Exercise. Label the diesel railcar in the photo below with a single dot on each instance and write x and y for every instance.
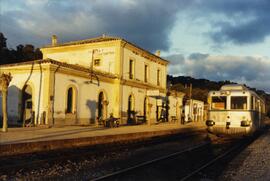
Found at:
(235, 109)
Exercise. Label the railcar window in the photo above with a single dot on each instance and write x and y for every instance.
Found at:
(252, 102)
(219, 102)
(239, 102)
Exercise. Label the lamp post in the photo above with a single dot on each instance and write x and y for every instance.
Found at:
(4, 82)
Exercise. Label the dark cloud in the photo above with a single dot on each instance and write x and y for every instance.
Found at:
(198, 56)
(253, 71)
(254, 31)
(244, 22)
(176, 62)
(176, 59)
(146, 23)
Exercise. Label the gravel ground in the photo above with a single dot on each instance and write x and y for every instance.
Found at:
(251, 164)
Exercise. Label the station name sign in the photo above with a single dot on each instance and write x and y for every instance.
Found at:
(153, 93)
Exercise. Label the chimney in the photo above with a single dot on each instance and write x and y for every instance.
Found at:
(54, 40)
(157, 53)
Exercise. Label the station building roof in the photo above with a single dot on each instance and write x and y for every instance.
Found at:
(103, 39)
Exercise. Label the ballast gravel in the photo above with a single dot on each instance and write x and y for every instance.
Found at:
(251, 164)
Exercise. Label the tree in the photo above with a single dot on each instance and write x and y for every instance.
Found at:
(3, 43)
(38, 54)
(4, 52)
(22, 53)
(28, 52)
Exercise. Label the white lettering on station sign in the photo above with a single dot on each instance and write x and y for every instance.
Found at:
(153, 93)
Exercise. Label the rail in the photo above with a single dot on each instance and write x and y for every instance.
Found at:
(123, 171)
(193, 173)
(221, 156)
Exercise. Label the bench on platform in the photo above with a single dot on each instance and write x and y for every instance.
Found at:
(112, 122)
(140, 119)
(173, 119)
(101, 121)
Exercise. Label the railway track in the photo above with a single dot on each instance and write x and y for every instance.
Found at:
(179, 164)
(33, 161)
(123, 171)
(215, 162)
(140, 171)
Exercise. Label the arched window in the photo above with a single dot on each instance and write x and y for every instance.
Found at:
(131, 112)
(27, 104)
(130, 103)
(70, 100)
(100, 105)
(145, 107)
(158, 77)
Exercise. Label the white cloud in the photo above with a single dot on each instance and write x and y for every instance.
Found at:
(250, 70)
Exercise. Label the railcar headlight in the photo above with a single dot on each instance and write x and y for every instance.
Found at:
(210, 123)
(245, 123)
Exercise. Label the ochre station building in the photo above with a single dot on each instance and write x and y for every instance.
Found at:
(81, 82)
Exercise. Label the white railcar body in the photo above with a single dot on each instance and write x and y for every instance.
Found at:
(235, 109)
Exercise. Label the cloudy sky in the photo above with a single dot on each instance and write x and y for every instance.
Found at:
(213, 39)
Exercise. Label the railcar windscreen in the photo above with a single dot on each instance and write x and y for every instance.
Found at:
(239, 102)
(218, 103)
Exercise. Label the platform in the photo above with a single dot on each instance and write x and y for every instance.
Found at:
(34, 139)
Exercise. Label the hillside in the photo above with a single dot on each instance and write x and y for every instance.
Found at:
(201, 87)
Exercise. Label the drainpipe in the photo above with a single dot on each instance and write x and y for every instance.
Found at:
(37, 121)
(54, 73)
(121, 78)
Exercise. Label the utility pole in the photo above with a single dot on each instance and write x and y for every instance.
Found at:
(4, 82)
(92, 73)
(190, 91)
(190, 100)
(92, 65)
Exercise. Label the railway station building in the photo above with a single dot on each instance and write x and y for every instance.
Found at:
(81, 82)
(194, 110)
